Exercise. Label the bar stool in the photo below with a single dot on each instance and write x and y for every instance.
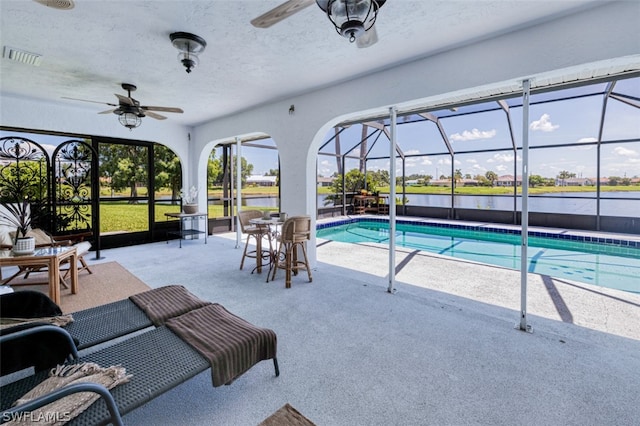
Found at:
(254, 231)
(295, 233)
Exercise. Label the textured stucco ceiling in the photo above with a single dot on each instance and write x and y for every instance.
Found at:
(89, 50)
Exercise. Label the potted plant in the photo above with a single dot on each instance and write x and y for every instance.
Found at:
(18, 215)
(189, 200)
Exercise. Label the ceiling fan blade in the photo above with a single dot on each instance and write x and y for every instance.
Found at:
(279, 13)
(367, 39)
(154, 115)
(85, 100)
(109, 111)
(125, 100)
(163, 109)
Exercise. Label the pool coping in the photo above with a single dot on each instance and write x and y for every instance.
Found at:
(621, 240)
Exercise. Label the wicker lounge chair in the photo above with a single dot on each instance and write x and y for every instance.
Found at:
(159, 360)
(105, 322)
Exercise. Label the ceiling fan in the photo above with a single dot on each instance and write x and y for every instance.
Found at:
(129, 109)
(352, 19)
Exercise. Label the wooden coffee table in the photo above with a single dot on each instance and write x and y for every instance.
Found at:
(51, 258)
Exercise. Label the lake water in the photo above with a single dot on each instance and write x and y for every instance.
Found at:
(561, 202)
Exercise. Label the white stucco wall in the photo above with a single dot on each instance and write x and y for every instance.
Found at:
(587, 40)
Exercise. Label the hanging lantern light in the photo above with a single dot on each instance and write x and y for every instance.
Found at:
(351, 18)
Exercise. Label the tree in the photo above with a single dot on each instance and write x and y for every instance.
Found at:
(168, 170)
(492, 177)
(536, 180)
(563, 175)
(125, 166)
(377, 178)
(614, 180)
(482, 180)
(354, 183)
(214, 170)
(457, 176)
(217, 174)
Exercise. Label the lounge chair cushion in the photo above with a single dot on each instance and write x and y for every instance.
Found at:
(40, 351)
(27, 304)
(41, 237)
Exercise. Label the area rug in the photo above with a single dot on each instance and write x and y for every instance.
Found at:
(287, 416)
(109, 282)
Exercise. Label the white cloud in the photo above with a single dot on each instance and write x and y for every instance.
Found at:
(625, 152)
(544, 124)
(412, 152)
(447, 162)
(501, 168)
(473, 135)
(502, 158)
(426, 162)
(582, 148)
(472, 161)
(589, 139)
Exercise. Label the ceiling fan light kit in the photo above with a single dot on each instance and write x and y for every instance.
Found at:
(351, 18)
(129, 110)
(189, 45)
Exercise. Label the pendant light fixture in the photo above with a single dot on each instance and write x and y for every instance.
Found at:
(189, 45)
(351, 18)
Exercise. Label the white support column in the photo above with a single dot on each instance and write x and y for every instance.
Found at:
(392, 202)
(524, 269)
(238, 190)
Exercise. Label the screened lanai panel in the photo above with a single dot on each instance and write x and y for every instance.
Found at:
(381, 164)
(570, 167)
(377, 144)
(563, 122)
(348, 139)
(621, 164)
(462, 110)
(622, 121)
(419, 138)
(479, 131)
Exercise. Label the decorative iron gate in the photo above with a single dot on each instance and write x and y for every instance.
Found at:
(24, 175)
(63, 190)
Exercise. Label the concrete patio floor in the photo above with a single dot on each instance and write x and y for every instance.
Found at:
(442, 350)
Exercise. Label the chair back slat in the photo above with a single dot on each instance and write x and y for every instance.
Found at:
(245, 216)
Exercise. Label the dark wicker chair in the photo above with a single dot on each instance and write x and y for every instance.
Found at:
(158, 360)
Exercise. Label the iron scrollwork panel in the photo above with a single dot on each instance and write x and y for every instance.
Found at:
(24, 175)
(73, 201)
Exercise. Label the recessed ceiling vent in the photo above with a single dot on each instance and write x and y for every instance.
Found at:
(21, 56)
(57, 4)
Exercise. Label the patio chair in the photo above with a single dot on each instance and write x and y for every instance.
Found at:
(44, 239)
(294, 235)
(257, 233)
(160, 359)
(102, 323)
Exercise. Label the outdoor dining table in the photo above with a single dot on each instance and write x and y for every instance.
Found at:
(274, 224)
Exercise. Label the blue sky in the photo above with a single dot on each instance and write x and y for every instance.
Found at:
(570, 121)
(565, 122)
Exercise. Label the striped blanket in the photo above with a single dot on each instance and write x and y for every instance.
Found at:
(229, 343)
(162, 303)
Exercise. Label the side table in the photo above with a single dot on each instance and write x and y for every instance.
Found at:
(184, 232)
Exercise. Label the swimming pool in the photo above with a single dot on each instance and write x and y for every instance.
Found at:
(607, 262)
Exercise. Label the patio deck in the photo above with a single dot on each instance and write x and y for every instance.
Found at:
(442, 350)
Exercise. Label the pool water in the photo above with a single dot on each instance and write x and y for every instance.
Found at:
(610, 265)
